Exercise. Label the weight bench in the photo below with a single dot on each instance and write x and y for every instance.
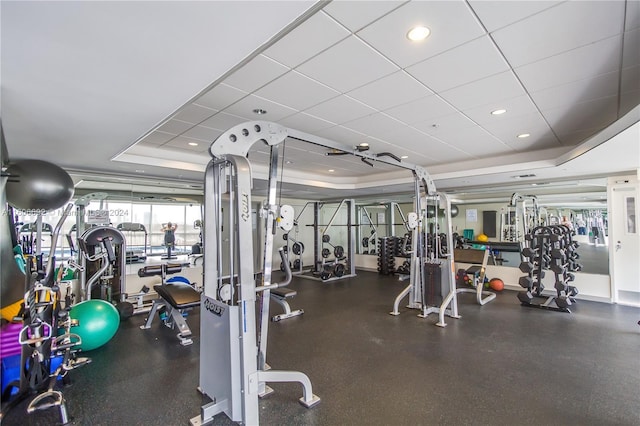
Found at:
(175, 297)
(280, 296)
(478, 260)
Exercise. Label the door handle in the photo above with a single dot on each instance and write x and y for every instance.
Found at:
(618, 246)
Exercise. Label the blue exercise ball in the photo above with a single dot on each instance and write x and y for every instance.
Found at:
(98, 322)
(38, 185)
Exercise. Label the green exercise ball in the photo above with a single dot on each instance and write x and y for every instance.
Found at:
(98, 322)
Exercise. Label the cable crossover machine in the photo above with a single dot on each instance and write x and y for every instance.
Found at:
(233, 343)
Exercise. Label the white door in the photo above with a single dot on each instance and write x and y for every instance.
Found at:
(624, 244)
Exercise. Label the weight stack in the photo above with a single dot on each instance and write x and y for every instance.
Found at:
(386, 255)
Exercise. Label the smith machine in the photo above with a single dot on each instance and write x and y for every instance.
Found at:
(233, 347)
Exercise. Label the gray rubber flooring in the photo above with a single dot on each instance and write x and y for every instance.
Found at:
(594, 259)
(500, 364)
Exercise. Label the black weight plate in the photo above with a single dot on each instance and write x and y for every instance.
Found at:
(326, 252)
(326, 238)
(298, 248)
(339, 270)
(338, 252)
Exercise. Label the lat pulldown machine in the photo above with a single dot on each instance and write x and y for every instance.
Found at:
(233, 369)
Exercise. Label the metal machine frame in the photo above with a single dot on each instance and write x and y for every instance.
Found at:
(233, 369)
(422, 254)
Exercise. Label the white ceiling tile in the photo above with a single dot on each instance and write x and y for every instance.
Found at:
(347, 65)
(342, 134)
(497, 14)
(413, 140)
(296, 91)
(158, 138)
(544, 141)
(194, 113)
(571, 118)
(451, 23)
(356, 14)
(421, 110)
(475, 141)
(585, 62)
(395, 89)
(223, 121)
(486, 91)
(577, 91)
(631, 53)
(175, 127)
(579, 136)
(374, 124)
(446, 124)
(308, 39)
(305, 122)
(515, 107)
(258, 72)
(245, 107)
(443, 152)
(340, 110)
(181, 143)
(507, 129)
(203, 133)
(466, 63)
(632, 18)
(220, 97)
(630, 79)
(567, 26)
(628, 101)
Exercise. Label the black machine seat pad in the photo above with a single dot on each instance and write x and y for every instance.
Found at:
(284, 292)
(178, 295)
(474, 269)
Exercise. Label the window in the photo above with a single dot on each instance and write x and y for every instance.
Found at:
(630, 214)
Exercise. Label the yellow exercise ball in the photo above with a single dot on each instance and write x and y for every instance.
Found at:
(482, 238)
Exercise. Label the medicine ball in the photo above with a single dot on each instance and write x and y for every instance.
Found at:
(496, 284)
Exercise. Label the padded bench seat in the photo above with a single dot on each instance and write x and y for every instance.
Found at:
(179, 295)
(175, 298)
(283, 292)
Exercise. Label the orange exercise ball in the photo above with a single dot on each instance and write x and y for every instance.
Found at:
(496, 284)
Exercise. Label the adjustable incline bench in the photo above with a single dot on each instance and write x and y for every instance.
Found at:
(280, 296)
(478, 260)
(175, 297)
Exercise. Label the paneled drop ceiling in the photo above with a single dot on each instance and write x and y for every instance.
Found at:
(564, 71)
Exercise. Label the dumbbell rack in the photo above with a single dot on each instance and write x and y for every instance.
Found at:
(550, 248)
(386, 255)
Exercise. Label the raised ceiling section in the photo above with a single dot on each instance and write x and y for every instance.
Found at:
(563, 71)
(143, 88)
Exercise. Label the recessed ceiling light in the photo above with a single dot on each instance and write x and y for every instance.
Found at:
(498, 111)
(331, 170)
(259, 111)
(288, 162)
(193, 143)
(523, 135)
(418, 33)
(404, 157)
(364, 144)
(139, 171)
